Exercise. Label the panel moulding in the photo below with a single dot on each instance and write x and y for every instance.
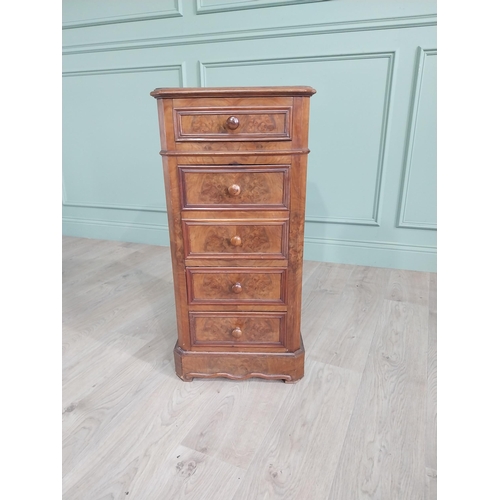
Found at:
(227, 6)
(410, 139)
(181, 68)
(175, 11)
(373, 220)
(254, 34)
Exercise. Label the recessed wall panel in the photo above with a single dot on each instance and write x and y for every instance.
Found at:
(347, 129)
(110, 138)
(419, 196)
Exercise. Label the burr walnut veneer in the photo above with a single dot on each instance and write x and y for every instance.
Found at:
(235, 163)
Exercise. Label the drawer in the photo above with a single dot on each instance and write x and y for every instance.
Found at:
(256, 187)
(244, 239)
(226, 329)
(255, 123)
(236, 285)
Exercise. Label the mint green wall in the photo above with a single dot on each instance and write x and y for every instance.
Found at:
(371, 191)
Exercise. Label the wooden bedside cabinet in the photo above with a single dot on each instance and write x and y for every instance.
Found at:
(235, 162)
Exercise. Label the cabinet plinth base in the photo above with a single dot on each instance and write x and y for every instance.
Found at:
(287, 366)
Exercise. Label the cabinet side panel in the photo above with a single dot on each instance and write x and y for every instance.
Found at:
(297, 214)
(300, 123)
(170, 173)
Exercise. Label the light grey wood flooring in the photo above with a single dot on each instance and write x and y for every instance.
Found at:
(361, 424)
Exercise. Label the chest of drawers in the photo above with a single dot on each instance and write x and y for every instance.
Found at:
(235, 162)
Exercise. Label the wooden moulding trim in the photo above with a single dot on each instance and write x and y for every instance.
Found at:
(225, 344)
(256, 263)
(170, 93)
(281, 152)
(236, 377)
(236, 136)
(230, 169)
(292, 364)
(227, 353)
(190, 271)
(235, 222)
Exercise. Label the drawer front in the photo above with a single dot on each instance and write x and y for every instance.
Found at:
(255, 187)
(227, 329)
(249, 239)
(259, 123)
(236, 285)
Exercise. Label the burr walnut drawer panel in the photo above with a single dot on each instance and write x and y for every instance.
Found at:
(236, 285)
(243, 239)
(237, 328)
(256, 123)
(256, 187)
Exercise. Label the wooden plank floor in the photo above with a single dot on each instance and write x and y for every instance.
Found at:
(360, 425)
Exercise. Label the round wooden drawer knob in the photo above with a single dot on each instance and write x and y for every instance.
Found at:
(232, 123)
(236, 241)
(237, 333)
(237, 288)
(234, 190)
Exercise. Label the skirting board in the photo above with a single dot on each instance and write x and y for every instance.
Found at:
(150, 234)
(364, 253)
(372, 253)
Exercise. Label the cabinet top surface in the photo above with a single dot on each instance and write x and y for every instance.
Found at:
(231, 92)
